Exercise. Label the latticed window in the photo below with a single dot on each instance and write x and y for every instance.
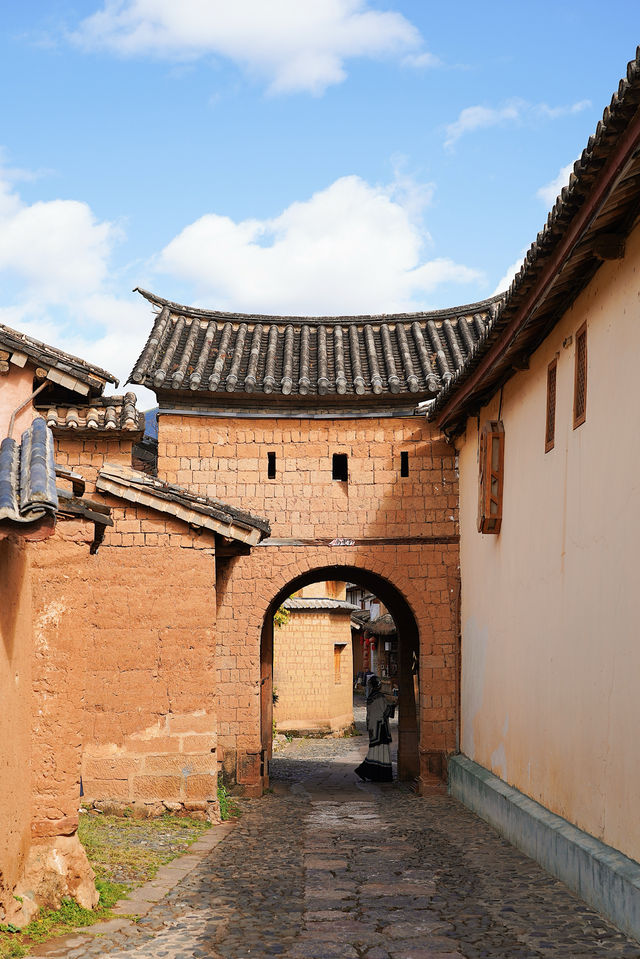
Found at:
(491, 478)
(550, 432)
(580, 382)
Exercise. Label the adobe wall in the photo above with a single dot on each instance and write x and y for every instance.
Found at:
(137, 621)
(425, 574)
(551, 606)
(310, 695)
(226, 458)
(15, 387)
(16, 644)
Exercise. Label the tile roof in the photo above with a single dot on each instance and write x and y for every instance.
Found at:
(28, 475)
(381, 626)
(196, 510)
(105, 413)
(63, 368)
(221, 353)
(588, 223)
(322, 603)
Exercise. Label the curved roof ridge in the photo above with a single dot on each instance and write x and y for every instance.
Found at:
(463, 310)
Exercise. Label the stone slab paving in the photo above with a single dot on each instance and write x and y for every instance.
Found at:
(325, 867)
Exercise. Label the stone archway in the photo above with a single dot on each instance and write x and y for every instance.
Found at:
(418, 582)
(409, 653)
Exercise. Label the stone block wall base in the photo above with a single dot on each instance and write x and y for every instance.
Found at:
(205, 809)
(605, 878)
(57, 867)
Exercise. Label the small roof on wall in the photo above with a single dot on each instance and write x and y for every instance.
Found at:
(62, 368)
(321, 603)
(207, 352)
(110, 414)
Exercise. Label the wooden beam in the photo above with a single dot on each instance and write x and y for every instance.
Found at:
(608, 246)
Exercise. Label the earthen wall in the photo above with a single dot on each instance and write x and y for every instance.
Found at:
(311, 696)
(16, 645)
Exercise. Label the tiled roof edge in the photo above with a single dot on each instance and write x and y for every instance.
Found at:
(47, 355)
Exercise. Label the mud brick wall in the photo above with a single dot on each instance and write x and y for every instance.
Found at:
(16, 644)
(128, 679)
(309, 698)
(227, 459)
(426, 576)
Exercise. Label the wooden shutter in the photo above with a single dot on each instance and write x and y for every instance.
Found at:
(580, 379)
(550, 431)
(491, 477)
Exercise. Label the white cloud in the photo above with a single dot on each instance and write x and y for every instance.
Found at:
(514, 111)
(549, 193)
(55, 268)
(350, 248)
(506, 280)
(292, 45)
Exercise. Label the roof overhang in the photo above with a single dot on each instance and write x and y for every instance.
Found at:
(139, 489)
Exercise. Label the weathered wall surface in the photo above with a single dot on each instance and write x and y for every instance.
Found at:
(551, 606)
(127, 663)
(227, 459)
(15, 387)
(311, 696)
(16, 644)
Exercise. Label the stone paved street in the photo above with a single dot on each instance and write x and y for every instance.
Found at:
(326, 867)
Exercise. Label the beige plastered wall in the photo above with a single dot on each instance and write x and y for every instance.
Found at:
(551, 605)
(15, 718)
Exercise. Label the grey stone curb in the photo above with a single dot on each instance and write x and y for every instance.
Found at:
(605, 878)
(142, 899)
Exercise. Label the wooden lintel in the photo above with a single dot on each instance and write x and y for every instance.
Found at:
(608, 246)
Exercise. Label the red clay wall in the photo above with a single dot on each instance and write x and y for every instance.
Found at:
(310, 696)
(227, 459)
(136, 626)
(16, 644)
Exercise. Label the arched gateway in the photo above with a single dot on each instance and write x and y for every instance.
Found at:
(311, 423)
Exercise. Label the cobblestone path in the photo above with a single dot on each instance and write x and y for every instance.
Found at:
(324, 867)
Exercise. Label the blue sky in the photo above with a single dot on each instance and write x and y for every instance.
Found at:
(306, 156)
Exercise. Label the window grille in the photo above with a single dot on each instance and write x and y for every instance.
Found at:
(491, 478)
(550, 432)
(580, 382)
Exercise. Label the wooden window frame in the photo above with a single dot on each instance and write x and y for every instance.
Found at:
(580, 417)
(550, 422)
(491, 477)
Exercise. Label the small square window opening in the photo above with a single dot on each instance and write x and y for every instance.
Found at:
(340, 468)
(404, 464)
(271, 465)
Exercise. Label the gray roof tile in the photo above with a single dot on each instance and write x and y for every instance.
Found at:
(205, 351)
(28, 476)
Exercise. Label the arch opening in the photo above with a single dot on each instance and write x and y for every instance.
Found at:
(408, 660)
